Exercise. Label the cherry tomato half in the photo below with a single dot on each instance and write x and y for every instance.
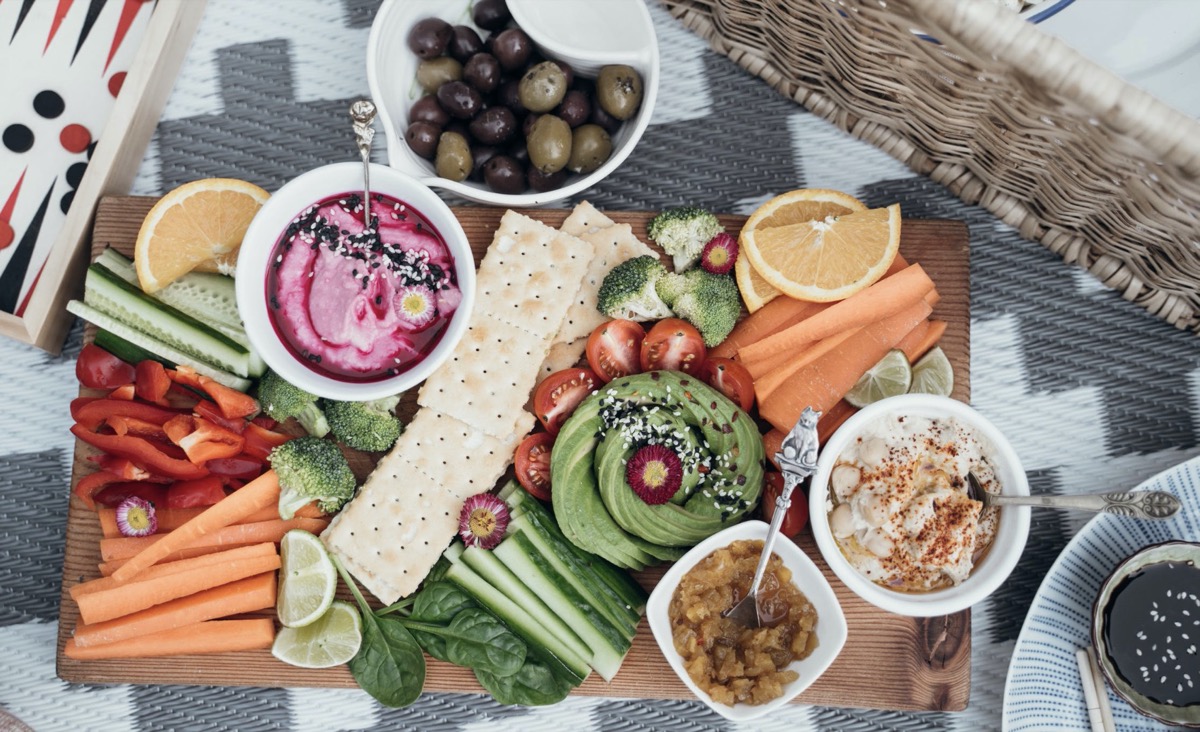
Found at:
(533, 464)
(796, 517)
(731, 379)
(673, 345)
(556, 397)
(99, 369)
(613, 349)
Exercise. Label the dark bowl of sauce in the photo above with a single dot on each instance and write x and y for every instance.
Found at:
(1146, 631)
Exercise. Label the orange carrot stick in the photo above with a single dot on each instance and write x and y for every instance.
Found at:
(107, 568)
(115, 602)
(767, 383)
(826, 380)
(259, 493)
(883, 299)
(210, 636)
(243, 596)
(768, 320)
(128, 547)
(164, 569)
(915, 347)
(170, 519)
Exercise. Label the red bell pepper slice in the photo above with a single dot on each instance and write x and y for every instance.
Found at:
(141, 451)
(233, 403)
(265, 422)
(136, 427)
(99, 369)
(242, 467)
(260, 442)
(94, 413)
(198, 493)
(203, 440)
(111, 496)
(123, 468)
(210, 411)
(90, 484)
(152, 382)
(124, 393)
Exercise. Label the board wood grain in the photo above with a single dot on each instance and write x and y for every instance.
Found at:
(889, 661)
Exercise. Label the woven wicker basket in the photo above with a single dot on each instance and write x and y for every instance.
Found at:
(1003, 115)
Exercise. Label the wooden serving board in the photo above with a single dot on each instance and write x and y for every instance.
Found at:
(889, 661)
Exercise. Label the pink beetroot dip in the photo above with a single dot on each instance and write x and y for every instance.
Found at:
(357, 304)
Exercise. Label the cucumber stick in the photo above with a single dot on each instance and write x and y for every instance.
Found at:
(110, 294)
(540, 640)
(126, 351)
(160, 349)
(607, 643)
(207, 297)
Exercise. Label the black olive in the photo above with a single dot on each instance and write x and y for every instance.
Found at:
(512, 48)
(540, 182)
(459, 100)
(482, 72)
(429, 37)
(494, 125)
(491, 14)
(464, 43)
(567, 71)
(575, 108)
(480, 154)
(427, 109)
(527, 125)
(504, 174)
(610, 123)
(422, 138)
(519, 151)
(510, 96)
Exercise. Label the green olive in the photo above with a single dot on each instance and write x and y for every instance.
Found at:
(454, 157)
(433, 72)
(590, 147)
(619, 90)
(542, 87)
(549, 144)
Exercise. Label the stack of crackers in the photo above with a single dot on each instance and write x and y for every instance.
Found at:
(535, 306)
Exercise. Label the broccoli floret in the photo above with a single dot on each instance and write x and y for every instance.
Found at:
(372, 426)
(311, 469)
(280, 399)
(710, 302)
(628, 290)
(670, 286)
(683, 232)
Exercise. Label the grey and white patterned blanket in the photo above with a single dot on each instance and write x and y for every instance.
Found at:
(1094, 392)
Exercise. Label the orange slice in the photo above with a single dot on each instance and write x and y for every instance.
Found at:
(793, 207)
(827, 259)
(198, 224)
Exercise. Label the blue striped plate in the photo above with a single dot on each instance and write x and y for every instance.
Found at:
(1043, 691)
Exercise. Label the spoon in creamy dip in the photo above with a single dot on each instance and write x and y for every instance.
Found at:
(363, 114)
(1134, 504)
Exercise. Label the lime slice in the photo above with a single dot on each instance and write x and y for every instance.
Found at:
(932, 374)
(888, 378)
(333, 639)
(307, 579)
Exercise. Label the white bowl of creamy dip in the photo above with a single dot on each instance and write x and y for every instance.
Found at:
(348, 312)
(890, 507)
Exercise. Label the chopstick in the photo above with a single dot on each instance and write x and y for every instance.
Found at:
(1095, 695)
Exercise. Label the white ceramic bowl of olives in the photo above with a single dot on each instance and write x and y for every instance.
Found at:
(517, 103)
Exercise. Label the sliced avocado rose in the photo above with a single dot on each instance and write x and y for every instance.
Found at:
(638, 438)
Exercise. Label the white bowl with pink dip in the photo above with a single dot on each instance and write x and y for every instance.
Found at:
(889, 512)
(345, 314)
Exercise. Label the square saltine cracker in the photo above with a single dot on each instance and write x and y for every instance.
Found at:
(464, 458)
(611, 246)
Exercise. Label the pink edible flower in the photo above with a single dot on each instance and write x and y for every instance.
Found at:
(135, 517)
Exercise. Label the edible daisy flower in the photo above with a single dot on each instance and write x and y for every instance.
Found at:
(483, 520)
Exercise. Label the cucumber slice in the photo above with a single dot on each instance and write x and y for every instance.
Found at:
(627, 588)
(125, 350)
(207, 297)
(161, 350)
(541, 642)
(577, 574)
(607, 643)
(110, 294)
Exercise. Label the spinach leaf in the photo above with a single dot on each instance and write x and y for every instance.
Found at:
(439, 602)
(390, 665)
(534, 684)
(475, 639)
